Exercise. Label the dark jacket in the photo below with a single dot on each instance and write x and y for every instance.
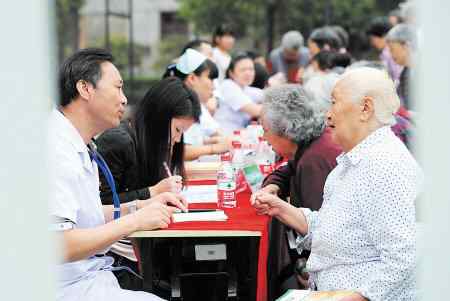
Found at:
(303, 180)
(118, 146)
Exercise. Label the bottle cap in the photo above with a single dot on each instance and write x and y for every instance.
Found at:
(236, 144)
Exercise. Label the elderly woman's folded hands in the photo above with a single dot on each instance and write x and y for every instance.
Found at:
(267, 203)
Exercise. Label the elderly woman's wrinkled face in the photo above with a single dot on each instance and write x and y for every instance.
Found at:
(244, 72)
(399, 52)
(343, 118)
(281, 145)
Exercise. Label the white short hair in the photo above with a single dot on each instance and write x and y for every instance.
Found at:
(292, 40)
(370, 82)
(403, 33)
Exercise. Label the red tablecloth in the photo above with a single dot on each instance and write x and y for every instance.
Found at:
(243, 217)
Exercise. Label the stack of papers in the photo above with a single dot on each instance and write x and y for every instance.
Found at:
(307, 295)
(216, 215)
(202, 170)
(200, 194)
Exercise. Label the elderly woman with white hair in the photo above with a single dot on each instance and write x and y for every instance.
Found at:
(402, 43)
(363, 237)
(295, 126)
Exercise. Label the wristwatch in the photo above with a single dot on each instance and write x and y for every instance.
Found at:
(132, 206)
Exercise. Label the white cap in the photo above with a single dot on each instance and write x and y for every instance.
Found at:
(190, 60)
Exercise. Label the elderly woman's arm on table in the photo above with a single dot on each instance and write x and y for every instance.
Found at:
(301, 220)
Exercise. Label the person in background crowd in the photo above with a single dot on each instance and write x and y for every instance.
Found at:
(205, 48)
(395, 17)
(343, 37)
(363, 238)
(223, 42)
(295, 127)
(323, 38)
(408, 12)
(377, 31)
(237, 108)
(261, 80)
(92, 101)
(202, 46)
(290, 58)
(135, 152)
(326, 74)
(198, 73)
(402, 43)
(257, 58)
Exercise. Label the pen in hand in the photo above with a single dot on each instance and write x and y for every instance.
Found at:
(166, 167)
(169, 174)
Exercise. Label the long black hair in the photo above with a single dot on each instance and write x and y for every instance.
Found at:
(169, 98)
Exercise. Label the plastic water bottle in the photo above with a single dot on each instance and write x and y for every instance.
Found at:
(252, 134)
(265, 157)
(226, 184)
(238, 164)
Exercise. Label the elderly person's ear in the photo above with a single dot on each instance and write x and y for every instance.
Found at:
(368, 108)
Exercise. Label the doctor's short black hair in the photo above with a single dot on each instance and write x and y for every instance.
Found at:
(84, 65)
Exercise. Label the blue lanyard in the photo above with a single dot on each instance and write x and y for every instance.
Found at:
(109, 178)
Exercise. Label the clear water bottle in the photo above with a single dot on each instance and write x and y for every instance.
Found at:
(265, 157)
(226, 183)
(238, 164)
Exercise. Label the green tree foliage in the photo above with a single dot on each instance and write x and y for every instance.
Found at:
(68, 30)
(308, 14)
(119, 49)
(249, 17)
(207, 14)
(168, 49)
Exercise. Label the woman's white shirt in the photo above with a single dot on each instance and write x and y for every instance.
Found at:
(206, 127)
(222, 61)
(234, 98)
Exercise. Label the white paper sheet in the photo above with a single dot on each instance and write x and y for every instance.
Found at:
(200, 194)
(217, 215)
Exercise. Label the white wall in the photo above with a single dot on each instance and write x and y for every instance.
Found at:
(26, 249)
(433, 84)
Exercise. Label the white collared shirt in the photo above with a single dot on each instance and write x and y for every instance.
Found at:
(229, 114)
(75, 196)
(206, 127)
(363, 237)
(75, 193)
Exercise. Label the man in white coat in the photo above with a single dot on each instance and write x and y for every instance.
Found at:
(92, 100)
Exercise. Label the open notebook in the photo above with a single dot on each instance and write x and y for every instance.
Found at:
(216, 215)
